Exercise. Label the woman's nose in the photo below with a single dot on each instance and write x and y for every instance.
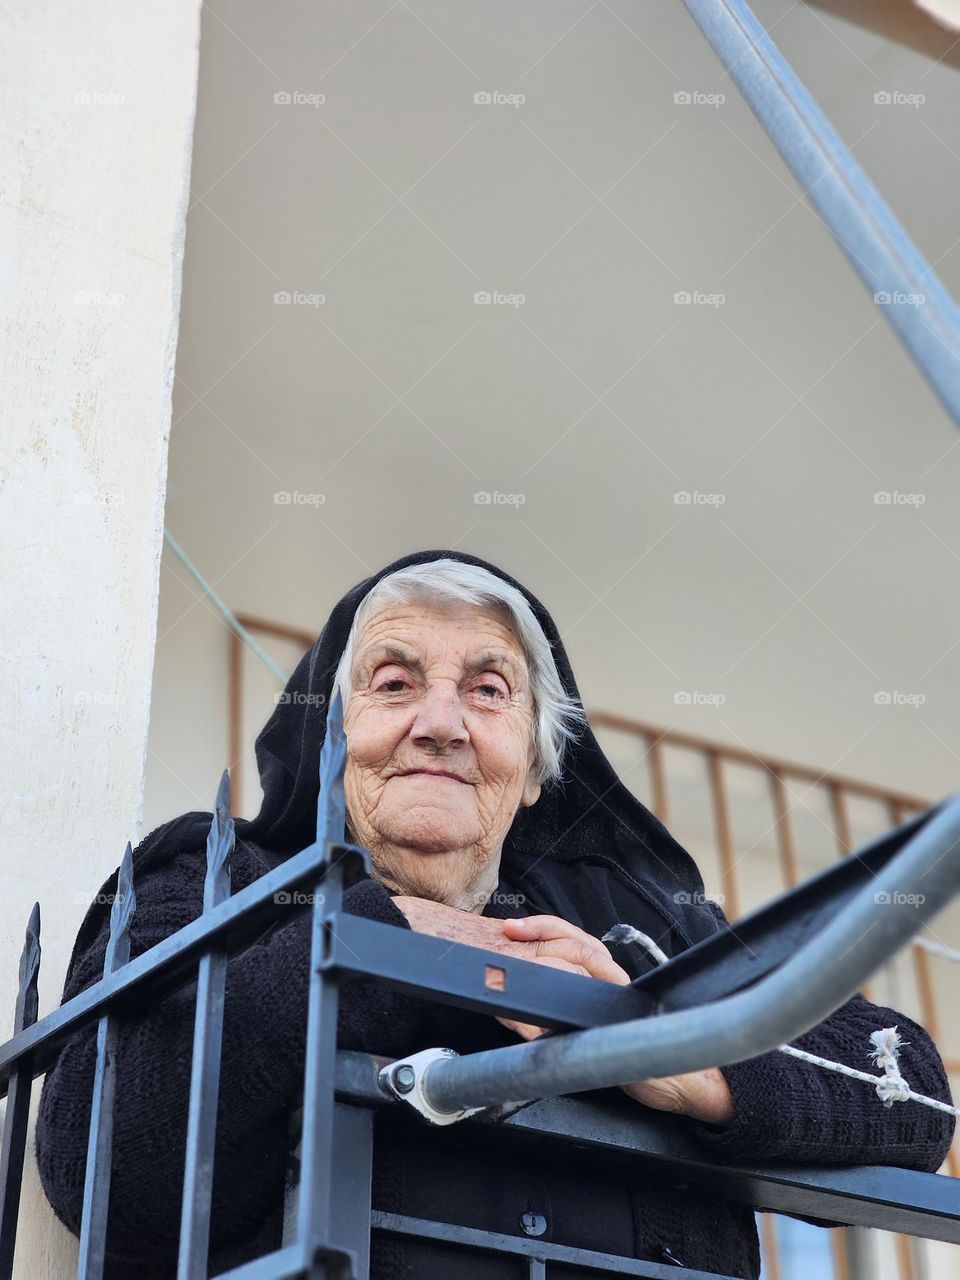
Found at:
(440, 717)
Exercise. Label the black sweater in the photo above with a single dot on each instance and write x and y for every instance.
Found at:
(785, 1109)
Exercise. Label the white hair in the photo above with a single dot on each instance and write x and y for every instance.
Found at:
(558, 718)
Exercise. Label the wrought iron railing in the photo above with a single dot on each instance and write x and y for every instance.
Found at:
(330, 1227)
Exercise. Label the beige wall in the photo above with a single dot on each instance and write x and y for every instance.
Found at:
(98, 103)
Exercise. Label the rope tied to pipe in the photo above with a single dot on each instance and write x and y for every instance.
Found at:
(890, 1087)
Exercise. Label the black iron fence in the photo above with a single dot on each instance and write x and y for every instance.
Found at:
(329, 1219)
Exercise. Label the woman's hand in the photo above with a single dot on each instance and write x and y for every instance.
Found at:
(512, 937)
(549, 940)
(566, 947)
(705, 1095)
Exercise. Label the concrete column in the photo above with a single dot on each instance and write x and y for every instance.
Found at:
(98, 101)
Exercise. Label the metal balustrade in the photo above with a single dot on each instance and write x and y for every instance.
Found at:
(674, 1005)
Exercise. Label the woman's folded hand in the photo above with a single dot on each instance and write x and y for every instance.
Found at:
(705, 1095)
(559, 944)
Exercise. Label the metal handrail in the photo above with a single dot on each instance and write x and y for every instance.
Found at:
(784, 1004)
(334, 1233)
(918, 306)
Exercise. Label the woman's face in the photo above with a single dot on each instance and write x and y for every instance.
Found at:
(437, 690)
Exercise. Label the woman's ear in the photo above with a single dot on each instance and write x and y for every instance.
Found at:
(531, 788)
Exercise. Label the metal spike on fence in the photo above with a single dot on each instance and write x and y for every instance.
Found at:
(96, 1187)
(331, 805)
(207, 1047)
(315, 1203)
(27, 999)
(121, 915)
(18, 1098)
(220, 842)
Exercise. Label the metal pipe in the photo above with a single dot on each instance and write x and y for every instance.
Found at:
(892, 267)
(229, 617)
(804, 991)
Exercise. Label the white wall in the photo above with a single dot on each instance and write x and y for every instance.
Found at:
(98, 102)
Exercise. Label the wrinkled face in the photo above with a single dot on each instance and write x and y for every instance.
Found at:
(438, 690)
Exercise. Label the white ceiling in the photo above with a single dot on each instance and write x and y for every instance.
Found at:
(599, 398)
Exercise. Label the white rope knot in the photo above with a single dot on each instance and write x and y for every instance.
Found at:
(891, 1086)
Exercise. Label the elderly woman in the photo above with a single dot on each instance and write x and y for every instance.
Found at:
(492, 818)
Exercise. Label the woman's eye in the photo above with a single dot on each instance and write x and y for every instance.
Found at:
(396, 681)
(494, 689)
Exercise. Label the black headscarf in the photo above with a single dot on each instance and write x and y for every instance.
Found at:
(588, 818)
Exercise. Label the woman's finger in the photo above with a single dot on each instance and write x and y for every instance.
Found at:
(531, 927)
(526, 1029)
(556, 937)
(593, 959)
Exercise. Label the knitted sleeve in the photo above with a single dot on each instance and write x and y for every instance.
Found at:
(262, 1065)
(789, 1109)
